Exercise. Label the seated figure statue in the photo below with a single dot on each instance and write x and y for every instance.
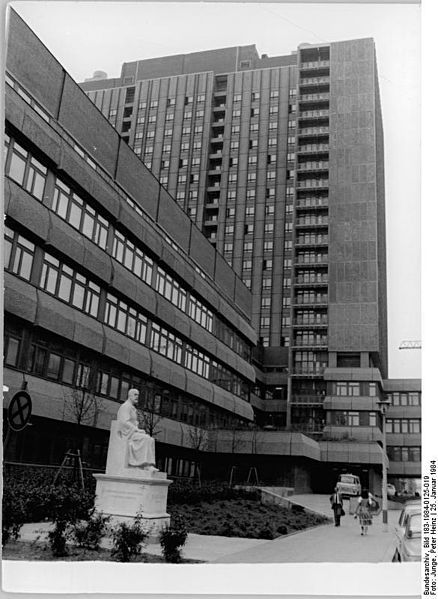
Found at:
(140, 445)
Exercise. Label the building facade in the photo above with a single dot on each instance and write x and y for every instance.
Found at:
(214, 222)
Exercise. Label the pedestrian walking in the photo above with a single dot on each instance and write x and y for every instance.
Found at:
(363, 510)
(337, 506)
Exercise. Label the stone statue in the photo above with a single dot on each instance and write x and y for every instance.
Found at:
(140, 446)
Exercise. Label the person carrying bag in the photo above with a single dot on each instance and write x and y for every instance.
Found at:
(337, 506)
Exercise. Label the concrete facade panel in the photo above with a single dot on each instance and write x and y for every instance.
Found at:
(201, 251)
(36, 130)
(174, 220)
(76, 169)
(97, 261)
(24, 210)
(54, 316)
(14, 110)
(88, 332)
(137, 180)
(40, 71)
(88, 126)
(19, 298)
(65, 239)
(114, 345)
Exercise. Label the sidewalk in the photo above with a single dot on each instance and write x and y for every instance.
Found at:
(320, 544)
(325, 543)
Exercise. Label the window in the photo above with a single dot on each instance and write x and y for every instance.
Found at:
(151, 134)
(70, 207)
(266, 302)
(188, 100)
(250, 194)
(271, 175)
(269, 227)
(182, 178)
(200, 98)
(287, 263)
(249, 229)
(274, 93)
(254, 127)
(232, 177)
(251, 177)
(164, 179)
(289, 209)
(255, 95)
(288, 227)
(268, 246)
(372, 419)
(166, 343)
(273, 125)
(248, 246)
(228, 247)
(266, 283)
(237, 97)
(199, 114)
(286, 301)
(198, 129)
(170, 289)
(68, 285)
(200, 314)
(132, 257)
(253, 143)
(229, 229)
(285, 321)
(252, 160)
(234, 145)
(249, 211)
(269, 210)
(255, 111)
(170, 116)
(152, 118)
(236, 113)
(28, 172)
(235, 129)
(265, 321)
(197, 362)
(19, 254)
(230, 212)
(247, 265)
(187, 114)
(196, 161)
(353, 418)
(231, 194)
(267, 264)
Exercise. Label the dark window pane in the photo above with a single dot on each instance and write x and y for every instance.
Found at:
(53, 366)
(38, 360)
(16, 169)
(68, 371)
(12, 352)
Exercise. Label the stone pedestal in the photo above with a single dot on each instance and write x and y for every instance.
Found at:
(125, 491)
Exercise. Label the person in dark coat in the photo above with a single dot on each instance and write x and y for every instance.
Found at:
(337, 506)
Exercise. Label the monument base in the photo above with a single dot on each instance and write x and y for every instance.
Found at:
(124, 497)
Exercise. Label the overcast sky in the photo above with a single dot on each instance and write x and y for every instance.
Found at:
(89, 36)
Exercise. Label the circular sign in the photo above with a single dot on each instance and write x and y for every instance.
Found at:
(20, 410)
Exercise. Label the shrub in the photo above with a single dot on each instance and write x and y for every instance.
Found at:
(14, 515)
(266, 533)
(172, 539)
(58, 538)
(90, 532)
(127, 539)
(282, 529)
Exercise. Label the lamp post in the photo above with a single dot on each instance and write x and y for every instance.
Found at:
(383, 406)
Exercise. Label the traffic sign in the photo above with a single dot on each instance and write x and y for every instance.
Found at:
(20, 410)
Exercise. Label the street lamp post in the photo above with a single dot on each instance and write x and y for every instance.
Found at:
(383, 405)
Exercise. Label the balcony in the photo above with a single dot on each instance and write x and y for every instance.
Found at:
(312, 221)
(308, 114)
(216, 155)
(312, 183)
(312, 202)
(214, 186)
(314, 80)
(308, 400)
(306, 131)
(308, 239)
(308, 369)
(214, 170)
(316, 260)
(313, 149)
(315, 64)
(313, 166)
(315, 344)
(211, 221)
(322, 324)
(316, 300)
(314, 97)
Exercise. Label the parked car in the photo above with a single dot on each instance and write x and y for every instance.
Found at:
(349, 485)
(412, 507)
(391, 490)
(409, 549)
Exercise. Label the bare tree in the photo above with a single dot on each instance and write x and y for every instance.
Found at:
(149, 413)
(81, 404)
(197, 439)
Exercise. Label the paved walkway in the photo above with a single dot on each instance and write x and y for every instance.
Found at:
(325, 543)
(320, 544)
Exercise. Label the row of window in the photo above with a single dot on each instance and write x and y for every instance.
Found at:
(404, 454)
(403, 425)
(404, 399)
(63, 363)
(79, 291)
(80, 215)
(347, 418)
(353, 389)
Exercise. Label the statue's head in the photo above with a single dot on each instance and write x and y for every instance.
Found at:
(133, 396)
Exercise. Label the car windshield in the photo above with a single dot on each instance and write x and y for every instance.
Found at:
(414, 526)
(347, 479)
